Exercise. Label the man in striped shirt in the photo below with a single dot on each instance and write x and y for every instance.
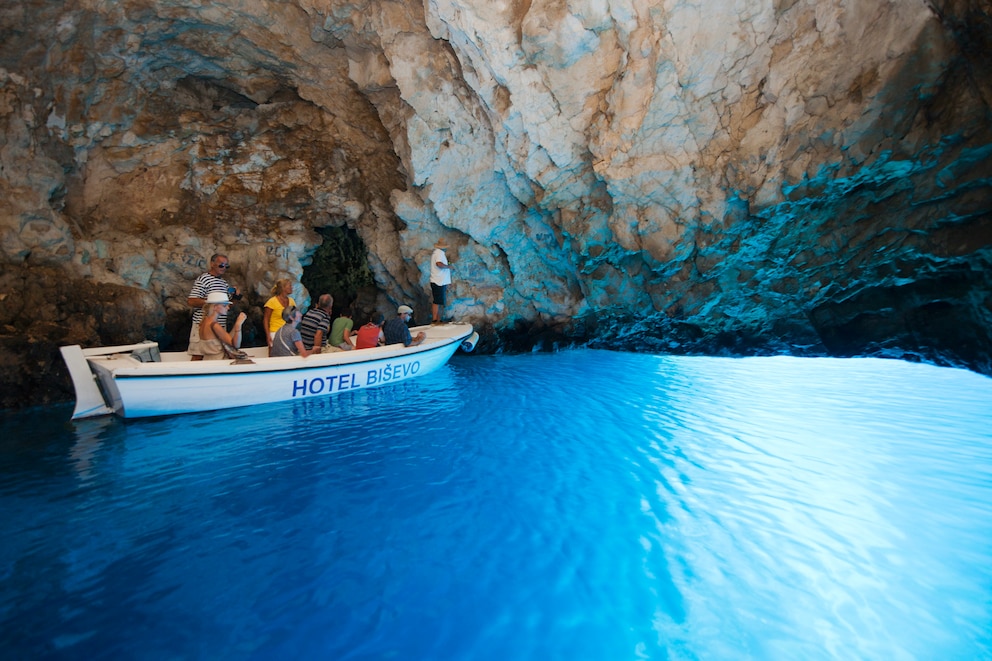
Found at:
(316, 324)
(210, 281)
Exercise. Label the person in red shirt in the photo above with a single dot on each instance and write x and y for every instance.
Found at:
(370, 335)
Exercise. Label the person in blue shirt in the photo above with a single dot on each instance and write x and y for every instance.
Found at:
(397, 331)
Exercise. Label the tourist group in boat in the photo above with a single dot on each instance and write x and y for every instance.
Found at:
(290, 332)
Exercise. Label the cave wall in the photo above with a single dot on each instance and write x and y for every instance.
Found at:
(751, 177)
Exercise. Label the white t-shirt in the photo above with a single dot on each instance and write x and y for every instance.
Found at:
(439, 276)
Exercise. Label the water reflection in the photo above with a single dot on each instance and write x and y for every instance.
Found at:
(789, 487)
(89, 435)
(578, 505)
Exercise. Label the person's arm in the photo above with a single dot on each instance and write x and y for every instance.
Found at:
(236, 334)
(222, 334)
(421, 336)
(265, 324)
(318, 339)
(302, 349)
(193, 300)
(196, 301)
(382, 339)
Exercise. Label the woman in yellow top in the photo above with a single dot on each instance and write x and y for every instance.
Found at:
(280, 300)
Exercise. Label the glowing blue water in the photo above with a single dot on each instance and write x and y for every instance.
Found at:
(583, 505)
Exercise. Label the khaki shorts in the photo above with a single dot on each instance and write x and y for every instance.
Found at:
(194, 340)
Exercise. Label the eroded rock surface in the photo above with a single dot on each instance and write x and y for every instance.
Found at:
(792, 176)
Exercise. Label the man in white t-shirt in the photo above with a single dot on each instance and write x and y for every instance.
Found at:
(440, 279)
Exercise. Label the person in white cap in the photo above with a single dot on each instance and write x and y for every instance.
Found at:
(211, 334)
(397, 331)
(440, 279)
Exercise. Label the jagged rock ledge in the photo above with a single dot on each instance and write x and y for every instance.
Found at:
(801, 176)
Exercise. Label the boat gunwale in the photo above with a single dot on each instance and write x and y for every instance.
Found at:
(122, 365)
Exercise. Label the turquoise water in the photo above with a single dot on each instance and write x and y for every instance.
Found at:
(579, 505)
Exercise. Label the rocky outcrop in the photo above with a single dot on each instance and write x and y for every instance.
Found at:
(792, 176)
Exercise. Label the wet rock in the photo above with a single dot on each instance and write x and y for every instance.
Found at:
(804, 177)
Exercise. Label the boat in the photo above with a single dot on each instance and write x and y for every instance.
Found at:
(139, 380)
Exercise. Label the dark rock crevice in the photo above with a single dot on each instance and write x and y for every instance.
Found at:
(339, 267)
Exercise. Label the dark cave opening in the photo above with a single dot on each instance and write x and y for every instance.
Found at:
(340, 268)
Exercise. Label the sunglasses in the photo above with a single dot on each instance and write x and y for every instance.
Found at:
(223, 266)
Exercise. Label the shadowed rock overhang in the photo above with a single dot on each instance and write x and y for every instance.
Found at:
(794, 177)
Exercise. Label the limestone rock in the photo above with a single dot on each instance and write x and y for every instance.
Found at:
(805, 176)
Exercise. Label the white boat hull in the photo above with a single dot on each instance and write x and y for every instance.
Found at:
(117, 381)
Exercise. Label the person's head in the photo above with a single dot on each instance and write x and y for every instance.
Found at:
(216, 300)
(283, 286)
(404, 312)
(441, 243)
(325, 302)
(219, 264)
(377, 319)
(291, 315)
(346, 312)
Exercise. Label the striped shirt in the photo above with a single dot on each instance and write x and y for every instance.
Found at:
(313, 321)
(205, 284)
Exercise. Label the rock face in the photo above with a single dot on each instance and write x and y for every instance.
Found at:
(804, 176)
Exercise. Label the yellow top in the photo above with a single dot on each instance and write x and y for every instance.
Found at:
(275, 319)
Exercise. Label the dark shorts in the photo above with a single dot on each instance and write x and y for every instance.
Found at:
(438, 291)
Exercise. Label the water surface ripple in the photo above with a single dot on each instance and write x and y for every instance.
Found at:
(580, 505)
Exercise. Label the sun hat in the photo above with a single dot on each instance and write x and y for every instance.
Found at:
(404, 309)
(441, 243)
(218, 297)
